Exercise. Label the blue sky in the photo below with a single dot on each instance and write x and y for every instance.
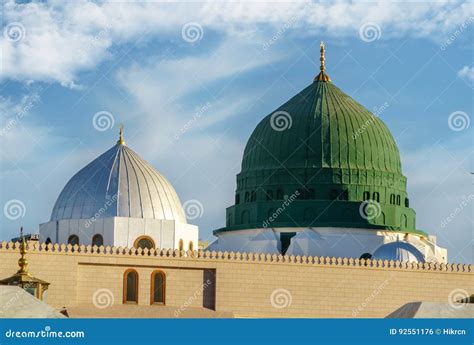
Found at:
(190, 81)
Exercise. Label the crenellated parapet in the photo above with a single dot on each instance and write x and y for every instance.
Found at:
(262, 258)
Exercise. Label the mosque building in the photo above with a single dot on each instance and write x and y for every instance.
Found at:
(321, 207)
(321, 176)
(119, 199)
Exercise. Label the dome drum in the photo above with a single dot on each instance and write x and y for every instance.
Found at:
(317, 213)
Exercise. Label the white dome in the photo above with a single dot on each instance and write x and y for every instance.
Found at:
(118, 184)
(398, 251)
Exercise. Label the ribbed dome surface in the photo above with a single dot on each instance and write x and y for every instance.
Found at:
(118, 184)
(329, 156)
(328, 129)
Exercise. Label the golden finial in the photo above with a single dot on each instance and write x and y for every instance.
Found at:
(322, 76)
(121, 141)
(22, 262)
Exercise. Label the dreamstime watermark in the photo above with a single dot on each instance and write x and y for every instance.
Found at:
(27, 105)
(103, 298)
(281, 298)
(369, 32)
(14, 209)
(370, 209)
(281, 209)
(378, 288)
(377, 112)
(193, 209)
(14, 32)
(288, 24)
(197, 115)
(111, 200)
(281, 121)
(459, 121)
(103, 120)
(459, 31)
(458, 298)
(44, 333)
(192, 32)
(466, 200)
(188, 302)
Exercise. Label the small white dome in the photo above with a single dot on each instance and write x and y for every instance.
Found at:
(398, 251)
(119, 183)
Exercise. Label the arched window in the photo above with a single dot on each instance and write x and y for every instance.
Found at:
(269, 195)
(344, 195)
(376, 196)
(279, 194)
(73, 240)
(253, 196)
(144, 242)
(181, 244)
(247, 197)
(237, 199)
(130, 286)
(398, 200)
(191, 246)
(392, 199)
(404, 221)
(158, 287)
(366, 196)
(97, 240)
(407, 202)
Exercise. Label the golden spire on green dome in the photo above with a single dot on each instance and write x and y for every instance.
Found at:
(322, 76)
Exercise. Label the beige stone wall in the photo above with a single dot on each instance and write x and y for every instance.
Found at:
(247, 285)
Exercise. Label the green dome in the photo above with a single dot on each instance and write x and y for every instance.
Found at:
(321, 159)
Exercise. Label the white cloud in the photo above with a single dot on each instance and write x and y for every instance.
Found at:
(438, 181)
(63, 38)
(466, 72)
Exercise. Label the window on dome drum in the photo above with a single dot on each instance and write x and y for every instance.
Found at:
(130, 286)
(392, 199)
(366, 196)
(300, 194)
(344, 195)
(97, 240)
(269, 195)
(237, 199)
(376, 196)
(158, 287)
(407, 202)
(253, 196)
(398, 200)
(279, 194)
(181, 245)
(404, 221)
(191, 246)
(247, 197)
(73, 240)
(144, 242)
